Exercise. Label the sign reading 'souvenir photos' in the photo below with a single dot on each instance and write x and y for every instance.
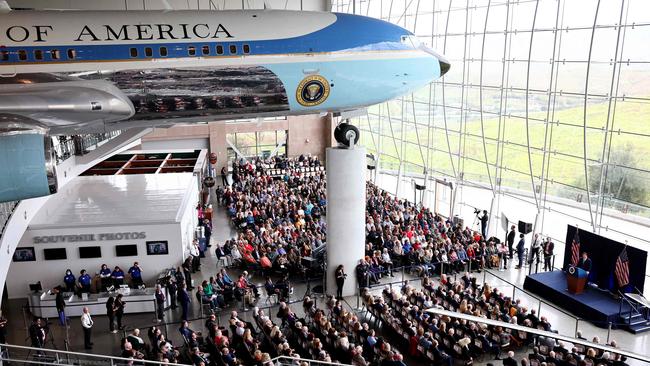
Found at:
(89, 237)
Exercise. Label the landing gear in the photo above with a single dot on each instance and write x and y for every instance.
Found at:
(346, 134)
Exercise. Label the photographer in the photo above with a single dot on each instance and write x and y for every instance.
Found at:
(340, 276)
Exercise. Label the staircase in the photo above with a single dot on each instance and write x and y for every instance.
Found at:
(635, 322)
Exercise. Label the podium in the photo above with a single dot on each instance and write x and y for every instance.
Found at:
(576, 279)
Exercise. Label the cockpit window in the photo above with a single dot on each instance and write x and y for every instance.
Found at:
(410, 40)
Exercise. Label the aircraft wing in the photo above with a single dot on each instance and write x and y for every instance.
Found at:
(32, 106)
(56, 100)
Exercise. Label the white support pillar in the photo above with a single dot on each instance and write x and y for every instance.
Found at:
(346, 207)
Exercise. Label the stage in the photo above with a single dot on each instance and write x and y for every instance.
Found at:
(594, 305)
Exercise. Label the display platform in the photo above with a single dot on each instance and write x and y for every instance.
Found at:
(596, 306)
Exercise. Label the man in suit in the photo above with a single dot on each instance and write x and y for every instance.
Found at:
(548, 254)
(585, 262)
(511, 240)
(185, 301)
(520, 250)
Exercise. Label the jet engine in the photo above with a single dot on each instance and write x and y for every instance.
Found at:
(27, 159)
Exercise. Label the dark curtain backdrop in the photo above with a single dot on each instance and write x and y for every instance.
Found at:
(603, 253)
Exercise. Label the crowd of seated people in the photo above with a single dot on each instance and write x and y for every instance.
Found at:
(279, 218)
(445, 341)
(400, 233)
(239, 344)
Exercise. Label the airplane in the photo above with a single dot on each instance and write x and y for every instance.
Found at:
(65, 72)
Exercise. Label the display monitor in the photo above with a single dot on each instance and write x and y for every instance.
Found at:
(54, 254)
(25, 254)
(90, 252)
(127, 250)
(157, 247)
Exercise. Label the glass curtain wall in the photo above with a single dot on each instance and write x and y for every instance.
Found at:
(544, 116)
(257, 144)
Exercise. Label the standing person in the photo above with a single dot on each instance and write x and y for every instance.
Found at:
(340, 276)
(187, 272)
(110, 312)
(37, 333)
(511, 240)
(224, 176)
(172, 290)
(520, 250)
(484, 221)
(87, 325)
(3, 335)
(535, 246)
(136, 275)
(119, 310)
(548, 254)
(160, 303)
(69, 281)
(207, 231)
(185, 300)
(105, 277)
(195, 252)
(60, 305)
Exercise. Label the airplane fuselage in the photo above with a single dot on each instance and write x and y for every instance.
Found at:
(150, 66)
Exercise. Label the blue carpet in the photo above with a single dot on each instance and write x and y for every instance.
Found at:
(596, 306)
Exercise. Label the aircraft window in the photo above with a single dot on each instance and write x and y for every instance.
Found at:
(38, 54)
(22, 55)
(148, 52)
(205, 50)
(163, 51)
(233, 49)
(134, 52)
(55, 54)
(191, 50)
(72, 54)
(247, 49)
(4, 56)
(219, 50)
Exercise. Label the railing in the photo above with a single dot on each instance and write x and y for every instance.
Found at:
(13, 354)
(539, 332)
(516, 288)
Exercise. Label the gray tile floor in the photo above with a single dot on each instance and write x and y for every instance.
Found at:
(108, 344)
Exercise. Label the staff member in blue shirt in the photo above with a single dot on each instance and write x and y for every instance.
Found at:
(117, 276)
(69, 281)
(136, 275)
(84, 281)
(105, 276)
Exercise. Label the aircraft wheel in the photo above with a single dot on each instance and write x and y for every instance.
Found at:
(346, 134)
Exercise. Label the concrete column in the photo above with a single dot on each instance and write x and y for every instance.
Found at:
(346, 207)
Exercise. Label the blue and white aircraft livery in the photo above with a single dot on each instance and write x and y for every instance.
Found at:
(75, 72)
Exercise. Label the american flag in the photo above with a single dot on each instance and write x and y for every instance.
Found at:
(622, 270)
(575, 249)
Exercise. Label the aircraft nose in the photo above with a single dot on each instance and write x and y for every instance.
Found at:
(444, 66)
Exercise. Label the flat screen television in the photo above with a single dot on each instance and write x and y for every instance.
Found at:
(157, 247)
(127, 250)
(90, 252)
(24, 254)
(54, 254)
